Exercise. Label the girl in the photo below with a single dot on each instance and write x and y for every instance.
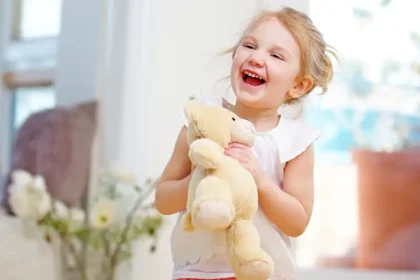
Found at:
(280, 58)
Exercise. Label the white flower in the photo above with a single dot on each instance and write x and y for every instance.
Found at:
(122, 175)
(28, 196)
(60, 210)
(103, 214)
(19, 202)
(77, 218)
(39, 183)
(28, 204)
(77, 214)
(44, 204)
(21, 178)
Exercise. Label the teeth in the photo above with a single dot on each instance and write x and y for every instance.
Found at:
(253, 75)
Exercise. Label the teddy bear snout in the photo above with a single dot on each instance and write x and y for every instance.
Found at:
(243, 132)
(249, 126)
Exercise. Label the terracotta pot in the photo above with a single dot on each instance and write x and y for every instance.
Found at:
(389, 209)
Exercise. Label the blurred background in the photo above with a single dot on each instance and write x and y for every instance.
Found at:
(140, 60)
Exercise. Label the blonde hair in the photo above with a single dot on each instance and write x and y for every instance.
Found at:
(315, 59)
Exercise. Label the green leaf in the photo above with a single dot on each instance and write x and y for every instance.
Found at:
(96, 239)
(123, 256)
(149, 181)
(137, 188)
(82, 234)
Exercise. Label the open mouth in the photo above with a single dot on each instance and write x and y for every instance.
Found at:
(252, 79)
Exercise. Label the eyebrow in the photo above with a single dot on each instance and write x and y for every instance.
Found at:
(249, 37)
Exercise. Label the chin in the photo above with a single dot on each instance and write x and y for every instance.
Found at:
(248, 99)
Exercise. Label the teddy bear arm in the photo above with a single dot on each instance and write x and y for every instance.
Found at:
(206, 153)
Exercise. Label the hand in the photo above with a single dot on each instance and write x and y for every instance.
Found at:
(246, 157)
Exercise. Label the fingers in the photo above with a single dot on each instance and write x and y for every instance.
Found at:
(238, 154)
(239, 146)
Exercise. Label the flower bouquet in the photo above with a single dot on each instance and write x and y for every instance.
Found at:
(94, 242)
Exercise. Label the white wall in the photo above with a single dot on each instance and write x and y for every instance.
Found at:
(80, 51)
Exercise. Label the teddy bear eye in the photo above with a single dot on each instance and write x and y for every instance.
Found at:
(233, 119)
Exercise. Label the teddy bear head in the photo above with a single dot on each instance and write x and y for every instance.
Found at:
(218, 124)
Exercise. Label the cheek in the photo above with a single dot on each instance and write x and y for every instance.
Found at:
(282, 78)
(235, 70)
(281, 81)
(236, 64)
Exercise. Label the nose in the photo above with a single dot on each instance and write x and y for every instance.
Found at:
(256, 60)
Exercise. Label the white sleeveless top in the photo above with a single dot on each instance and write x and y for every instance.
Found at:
(203, 255)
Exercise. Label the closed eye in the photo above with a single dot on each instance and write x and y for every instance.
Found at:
(249, 46)
(278, 56)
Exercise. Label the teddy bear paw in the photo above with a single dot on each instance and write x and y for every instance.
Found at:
(213, 215)
(257, 270)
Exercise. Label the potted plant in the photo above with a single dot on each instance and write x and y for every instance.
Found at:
(91, 244)
(388, 196)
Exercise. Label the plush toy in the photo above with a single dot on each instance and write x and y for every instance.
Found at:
(222, 194)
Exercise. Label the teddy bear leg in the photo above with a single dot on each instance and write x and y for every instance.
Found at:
(212, 208)
(248, 260)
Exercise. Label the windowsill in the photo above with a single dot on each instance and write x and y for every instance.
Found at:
(29, 78)
(352, 274)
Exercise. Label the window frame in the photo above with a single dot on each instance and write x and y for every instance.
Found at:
(23, 63)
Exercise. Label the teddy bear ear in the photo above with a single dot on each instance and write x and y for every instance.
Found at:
(192, 108)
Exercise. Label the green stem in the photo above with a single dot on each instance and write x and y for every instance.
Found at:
(129, 220)
(79, 263)
(111, 273)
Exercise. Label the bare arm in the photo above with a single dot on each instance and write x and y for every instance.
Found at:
(172, 190)
(290, 209)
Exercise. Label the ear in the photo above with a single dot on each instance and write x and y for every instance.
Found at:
(301, 87)
(192, 108)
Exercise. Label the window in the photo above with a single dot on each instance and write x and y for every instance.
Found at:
(27, 101)
(373, 107)
(29, 30)
(27, 15)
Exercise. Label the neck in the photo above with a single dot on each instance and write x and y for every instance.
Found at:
(263, 119)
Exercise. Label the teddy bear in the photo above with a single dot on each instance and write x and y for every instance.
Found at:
(222, 194)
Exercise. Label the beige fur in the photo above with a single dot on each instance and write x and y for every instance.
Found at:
(222, 194)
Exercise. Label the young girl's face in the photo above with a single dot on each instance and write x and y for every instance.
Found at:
(265, 65)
